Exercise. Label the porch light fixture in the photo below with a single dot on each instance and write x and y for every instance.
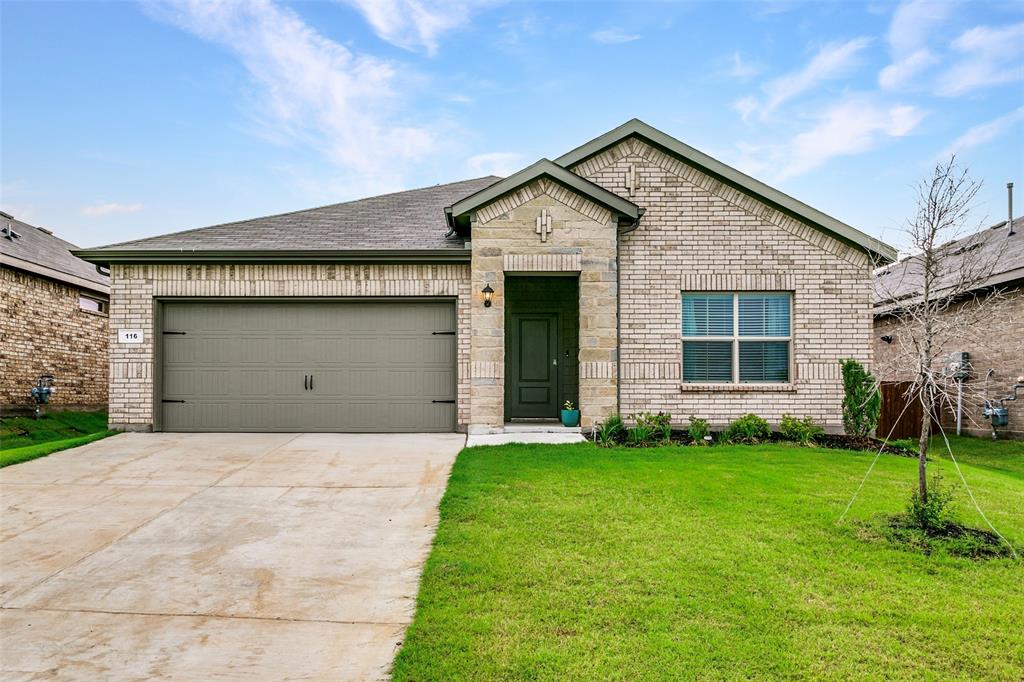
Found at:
(488, 293)
(887, 338)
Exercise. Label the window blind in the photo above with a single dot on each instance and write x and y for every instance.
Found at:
(764, 314)
(707, 315)
(765, 361)
(707, 361)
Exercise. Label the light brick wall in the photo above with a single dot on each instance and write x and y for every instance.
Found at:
(1004, 328)
(582, 241)
(699, 234)
(43, 331)
(134, 288)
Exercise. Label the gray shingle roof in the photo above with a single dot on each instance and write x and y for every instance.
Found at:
(993, 251)
(42, 252)
(413, 219)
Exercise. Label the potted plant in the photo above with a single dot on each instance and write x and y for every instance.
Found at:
(570, 415)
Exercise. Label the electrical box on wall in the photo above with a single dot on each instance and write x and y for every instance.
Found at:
(960, 365)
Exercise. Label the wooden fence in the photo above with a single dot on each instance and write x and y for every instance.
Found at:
(897, 416)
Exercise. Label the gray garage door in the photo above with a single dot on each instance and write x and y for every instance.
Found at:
(308, 366)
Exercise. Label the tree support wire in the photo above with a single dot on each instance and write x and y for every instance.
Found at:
(878, 454)
(971, 494)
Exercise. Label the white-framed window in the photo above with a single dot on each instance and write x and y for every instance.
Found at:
(737, 338)
(92, 305)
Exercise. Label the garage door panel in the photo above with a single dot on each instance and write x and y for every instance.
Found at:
(377, 366)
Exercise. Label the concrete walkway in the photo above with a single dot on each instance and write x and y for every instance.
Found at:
(216, 556)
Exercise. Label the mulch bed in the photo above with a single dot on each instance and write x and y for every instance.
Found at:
(832, 441)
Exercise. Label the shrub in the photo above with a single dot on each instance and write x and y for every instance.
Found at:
(934, 512)
(802, 431)
(640, 435)
(862, 401)
(697, 430)
(747, 429)
(609, 432)
(660, 424)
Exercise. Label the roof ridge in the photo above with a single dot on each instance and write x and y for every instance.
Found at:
(301, 210)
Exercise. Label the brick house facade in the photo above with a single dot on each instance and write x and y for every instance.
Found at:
(635, 223)
(53, 320)
(996, 341)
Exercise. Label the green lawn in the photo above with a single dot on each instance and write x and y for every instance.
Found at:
(25, 438)
(575, 562)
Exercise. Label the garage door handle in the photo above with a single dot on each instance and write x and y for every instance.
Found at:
(311, 382)
(305, 382)
(442, 401)
(443, 333)
(171, 401)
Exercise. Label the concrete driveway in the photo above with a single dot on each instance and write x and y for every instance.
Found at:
(217, 556)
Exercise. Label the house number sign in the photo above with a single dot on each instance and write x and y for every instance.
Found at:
(130, 336)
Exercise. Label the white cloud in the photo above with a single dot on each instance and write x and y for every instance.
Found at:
(902, 71)
(913, 24)
(742, 69)
(832, 61)
(613, 36)
(414, 24)
(111, 208)
(746, 106)
(991, 56)
(853, 126)
(310, 89)
(495, 163)
(984, 132)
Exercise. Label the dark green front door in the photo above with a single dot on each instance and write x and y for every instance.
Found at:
(533, 366)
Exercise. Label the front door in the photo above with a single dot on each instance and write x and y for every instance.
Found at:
(532, 383)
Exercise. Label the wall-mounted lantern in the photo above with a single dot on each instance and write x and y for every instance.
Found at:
(887, 338)
(488, 293)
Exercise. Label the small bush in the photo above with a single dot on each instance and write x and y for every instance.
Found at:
(640, 435)
(748, 429)
(660, 424)
(610, 431)
(802, 431)
(862, 400)
(935, 512)
(697, 430)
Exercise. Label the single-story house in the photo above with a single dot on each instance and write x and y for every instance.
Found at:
(633, 273)
(53, 320)
(995, 341)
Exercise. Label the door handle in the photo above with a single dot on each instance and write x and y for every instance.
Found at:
(305, 382)
(555, 362)
(311, 382)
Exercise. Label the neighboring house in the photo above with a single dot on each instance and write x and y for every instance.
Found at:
(633, 273)
(53, 320)
(1002, 253)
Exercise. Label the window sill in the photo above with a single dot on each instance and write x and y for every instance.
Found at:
(93, 312)
(737, 388)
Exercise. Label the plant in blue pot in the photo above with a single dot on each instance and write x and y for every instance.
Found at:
(570, 415)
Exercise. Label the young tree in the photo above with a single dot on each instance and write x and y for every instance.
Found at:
(937, 294)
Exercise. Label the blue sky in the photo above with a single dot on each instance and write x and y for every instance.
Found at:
(122, 120)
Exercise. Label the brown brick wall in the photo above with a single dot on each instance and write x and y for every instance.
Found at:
(1003, 351)
(43, 331)
(699, 234)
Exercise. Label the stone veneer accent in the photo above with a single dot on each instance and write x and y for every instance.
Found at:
(43, 331)
(583, 241)
(134, 288)
(1005, 353)
(701, 234)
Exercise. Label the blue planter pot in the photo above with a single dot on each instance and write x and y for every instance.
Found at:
(570, 417)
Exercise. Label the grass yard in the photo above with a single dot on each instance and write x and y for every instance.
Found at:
(580, 563)
(25, 438)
